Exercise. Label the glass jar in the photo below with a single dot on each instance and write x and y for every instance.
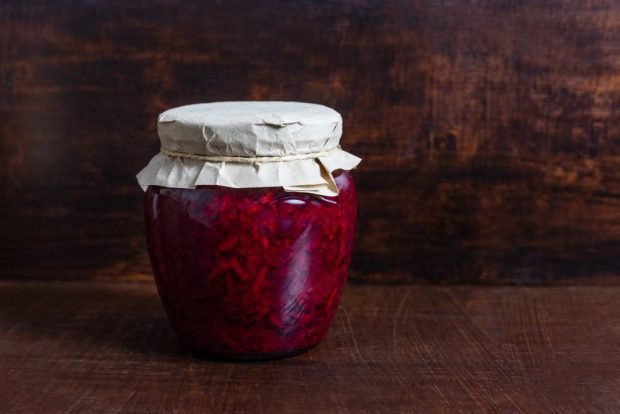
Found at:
(249, 272)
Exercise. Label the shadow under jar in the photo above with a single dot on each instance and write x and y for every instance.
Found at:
(251, 272)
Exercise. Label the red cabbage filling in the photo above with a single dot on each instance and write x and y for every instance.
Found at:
(250, 272)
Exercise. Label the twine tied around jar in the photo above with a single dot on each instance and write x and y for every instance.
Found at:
(247, 160)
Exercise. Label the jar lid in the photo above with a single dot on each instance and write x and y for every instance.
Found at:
(250, 128)
(293, 145)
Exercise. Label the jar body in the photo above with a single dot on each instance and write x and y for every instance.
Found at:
(254, 273)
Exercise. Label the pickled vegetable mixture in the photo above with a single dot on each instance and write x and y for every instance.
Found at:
(250, 273)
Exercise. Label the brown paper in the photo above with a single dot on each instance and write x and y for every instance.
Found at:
(250, 129)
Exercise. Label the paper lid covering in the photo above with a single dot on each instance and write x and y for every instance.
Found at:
(293, 145)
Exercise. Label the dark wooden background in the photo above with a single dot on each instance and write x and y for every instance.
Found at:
(490, 130)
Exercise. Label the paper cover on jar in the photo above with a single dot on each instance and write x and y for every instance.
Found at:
(292, 145)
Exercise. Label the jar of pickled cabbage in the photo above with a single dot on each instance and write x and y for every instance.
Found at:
(250, 212)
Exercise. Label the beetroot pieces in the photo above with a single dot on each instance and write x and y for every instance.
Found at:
(250, 273)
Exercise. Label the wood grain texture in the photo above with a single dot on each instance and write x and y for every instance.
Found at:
(88, 346)
(490, 130)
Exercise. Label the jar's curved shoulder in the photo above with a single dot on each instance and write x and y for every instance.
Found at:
(345, 183)
(208, 194)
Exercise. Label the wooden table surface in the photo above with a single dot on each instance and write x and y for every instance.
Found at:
(106, 347)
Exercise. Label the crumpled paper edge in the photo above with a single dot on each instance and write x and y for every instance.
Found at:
(312, 176)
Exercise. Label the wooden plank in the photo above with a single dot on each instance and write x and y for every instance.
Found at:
(107, 347)
(490, 131)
